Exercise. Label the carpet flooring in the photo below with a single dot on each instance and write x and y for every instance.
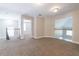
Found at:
(38, 47)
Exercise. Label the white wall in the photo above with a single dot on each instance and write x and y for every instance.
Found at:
(49, 26)
(38, 26)
(75, 16)
(43, 26)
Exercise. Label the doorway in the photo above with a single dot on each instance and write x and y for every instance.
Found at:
(27, 28)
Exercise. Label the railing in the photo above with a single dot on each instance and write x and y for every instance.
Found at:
(12, 33)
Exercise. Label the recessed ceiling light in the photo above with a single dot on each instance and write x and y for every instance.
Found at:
(55, 9)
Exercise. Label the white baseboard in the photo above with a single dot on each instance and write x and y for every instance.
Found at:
(38, 37)
(42, 37)
(48, 36)
(71, 41)
(74, 42)
(56, 38)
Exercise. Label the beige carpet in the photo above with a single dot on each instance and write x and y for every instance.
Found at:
(38, 47)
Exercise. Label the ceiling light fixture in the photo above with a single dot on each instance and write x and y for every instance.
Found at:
(55, 9)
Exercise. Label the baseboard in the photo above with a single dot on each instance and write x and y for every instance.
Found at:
(42, 37)
(55, 38)
(38, 37)
(48, 36)
(71, 41)
(74, 42)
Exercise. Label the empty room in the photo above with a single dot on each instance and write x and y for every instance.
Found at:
(39, 29)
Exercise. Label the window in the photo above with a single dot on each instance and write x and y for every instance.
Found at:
(69, 32)
(58, 34)
(63, 28)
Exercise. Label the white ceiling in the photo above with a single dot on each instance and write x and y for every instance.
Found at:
(36, 9)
